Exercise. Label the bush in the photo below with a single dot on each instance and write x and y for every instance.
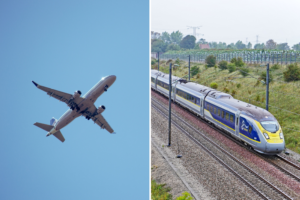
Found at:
(233, 92)
(226, 90)
(194, 70)
(244, 71)
(153, 62)
(177, 61)
(238, 85)
(214, 85)
(223, 65)
(185, 196)
(274, 67)
(231, 67)
(263, 76)
(257, 98)
(292, 73)
(210, 61)
(233, 60)
(159, 191)
(238, 62)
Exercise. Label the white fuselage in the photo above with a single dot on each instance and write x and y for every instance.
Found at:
(88, 100)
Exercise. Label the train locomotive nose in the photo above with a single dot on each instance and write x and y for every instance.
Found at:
(274, 148)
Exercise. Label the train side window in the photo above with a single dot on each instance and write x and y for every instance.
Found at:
(197, 101)
(250, 129)
(231, 118)
(219, 112)
(207, 105)
(215, 110)
(222, 113)
(227, 116)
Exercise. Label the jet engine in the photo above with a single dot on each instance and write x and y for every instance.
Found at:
(76, 94)
(100, 109)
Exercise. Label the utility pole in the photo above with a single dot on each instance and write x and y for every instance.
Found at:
(170, 101)
(189, 67)
(267, 93)
(195, 30)
(158, 60)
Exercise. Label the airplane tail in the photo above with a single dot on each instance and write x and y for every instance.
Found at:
(48, 128)
(53, 121)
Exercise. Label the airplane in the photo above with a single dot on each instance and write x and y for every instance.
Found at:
(79, 106)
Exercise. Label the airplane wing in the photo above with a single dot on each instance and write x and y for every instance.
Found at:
(98, 119)
(61, 96)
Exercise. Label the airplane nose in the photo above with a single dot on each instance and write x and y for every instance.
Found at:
(112, 78)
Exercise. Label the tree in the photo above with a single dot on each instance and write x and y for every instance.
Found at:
(244, 71)
(270, 44)
(202, 41)
(240, 45)
(210, 61)
(221, 45)
(173, 47)
(249, 45)
(296, 47)
(223, 65)
(194, 70)
(176, 37)
(259, 46)
(283, 46)
(292, 73)
(165, 36)
(188, 42)
(213, 45)
(158, 45)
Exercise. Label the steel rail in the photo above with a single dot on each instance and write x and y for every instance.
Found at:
(223, 150)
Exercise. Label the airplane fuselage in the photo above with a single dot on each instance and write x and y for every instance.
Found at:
(88, 100)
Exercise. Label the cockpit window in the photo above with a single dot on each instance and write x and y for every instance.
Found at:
(271, 126)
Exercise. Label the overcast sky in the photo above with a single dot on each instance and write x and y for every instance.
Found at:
(231, 20)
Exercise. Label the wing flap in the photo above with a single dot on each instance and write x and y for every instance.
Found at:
(99, 119)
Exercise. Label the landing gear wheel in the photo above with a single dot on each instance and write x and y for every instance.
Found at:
(105, 88)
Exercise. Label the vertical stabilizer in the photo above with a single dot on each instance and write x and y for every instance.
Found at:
(53, 121)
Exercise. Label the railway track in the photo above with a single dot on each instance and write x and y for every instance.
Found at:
(256, 182)
(268, 159)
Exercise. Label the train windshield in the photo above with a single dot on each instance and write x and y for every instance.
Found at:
(271, 126)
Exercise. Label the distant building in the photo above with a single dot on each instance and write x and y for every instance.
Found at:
(204, 46)
(155, 35)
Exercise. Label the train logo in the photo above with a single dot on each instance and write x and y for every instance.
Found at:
(244, 126)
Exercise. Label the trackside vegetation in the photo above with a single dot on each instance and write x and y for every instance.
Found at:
(284, 92)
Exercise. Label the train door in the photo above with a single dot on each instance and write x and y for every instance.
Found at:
(237, 123)
(202, 107)
(174, 91)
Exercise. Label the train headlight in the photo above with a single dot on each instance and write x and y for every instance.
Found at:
(266, 136)
(281, 135)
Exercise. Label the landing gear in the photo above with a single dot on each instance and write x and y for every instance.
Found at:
(105, 88)
(88, 118)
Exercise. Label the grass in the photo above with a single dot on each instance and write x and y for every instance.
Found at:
(159, 191)
(284, 98)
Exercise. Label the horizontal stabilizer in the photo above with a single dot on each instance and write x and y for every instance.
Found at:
(59, 136)
(46, 127)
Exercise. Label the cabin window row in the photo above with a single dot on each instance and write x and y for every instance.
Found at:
(162, 84)
(188, 97)
(220, 112)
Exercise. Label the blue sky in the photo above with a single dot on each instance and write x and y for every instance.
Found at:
(68, 46)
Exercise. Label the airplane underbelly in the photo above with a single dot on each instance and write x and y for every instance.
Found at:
(66, 120)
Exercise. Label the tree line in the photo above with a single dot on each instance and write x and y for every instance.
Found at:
(175, 41)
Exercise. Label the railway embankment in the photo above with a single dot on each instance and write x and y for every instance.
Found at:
(201, 164)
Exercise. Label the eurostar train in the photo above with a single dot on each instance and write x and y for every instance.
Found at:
(250, 124)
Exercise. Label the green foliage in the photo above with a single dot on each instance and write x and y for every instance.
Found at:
(210, 61)
(223, 65)
(165, 36)
(275, 67)
(185, 196)
(244, 71)
(173, 47)
(238, 85)
(263, 76)
(233, 92)
(226, 90)
(176, 37)
(231, 67)
(153, 62)
(194, 70)
(177, 61)
(257, 98)
(233, 60)
(292, 73)
(159, 191)
(214, 85)
(188, 42)
(158, 45)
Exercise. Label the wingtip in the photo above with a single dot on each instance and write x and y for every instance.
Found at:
(35, 83)
(113, 133)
